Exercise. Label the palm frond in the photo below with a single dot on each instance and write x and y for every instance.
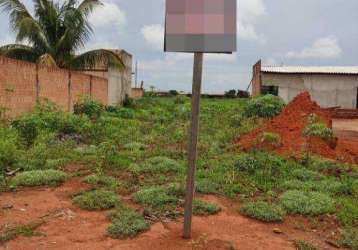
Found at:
(46, 60)
(87, 6)
(96, 58)
(16, 10)
(19, 51)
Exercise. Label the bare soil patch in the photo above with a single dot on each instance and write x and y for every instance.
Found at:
(67, 227)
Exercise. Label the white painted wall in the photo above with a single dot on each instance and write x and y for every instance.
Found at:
(326, 90)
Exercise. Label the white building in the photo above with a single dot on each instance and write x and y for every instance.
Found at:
(328, 86)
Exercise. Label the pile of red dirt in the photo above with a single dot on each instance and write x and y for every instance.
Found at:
(289, 125)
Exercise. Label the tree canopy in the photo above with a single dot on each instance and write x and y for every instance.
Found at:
(55, 33)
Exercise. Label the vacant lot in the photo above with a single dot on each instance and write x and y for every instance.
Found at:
(113, 178)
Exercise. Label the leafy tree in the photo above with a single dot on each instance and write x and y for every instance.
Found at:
(54, 34)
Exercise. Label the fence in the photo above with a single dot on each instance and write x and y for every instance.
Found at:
(23, 83)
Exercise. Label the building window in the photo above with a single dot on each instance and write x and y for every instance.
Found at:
(273, 90)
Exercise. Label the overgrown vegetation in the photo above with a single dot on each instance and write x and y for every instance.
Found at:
(263, 211)
(264, 106)
(140, 151)
(38, 178)
(204, 208)
(126, 222)
(317, 128)
(96, 200)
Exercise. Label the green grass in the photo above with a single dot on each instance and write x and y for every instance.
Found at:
(155, 197)
(26, 230)
(96, 200)
(304, 245)
(350, 239)
(125, 223)
(307, 203)
(158, 164)
(142, 148)
(204, 208)
(263, 211)
(38, 178)
(107, 182)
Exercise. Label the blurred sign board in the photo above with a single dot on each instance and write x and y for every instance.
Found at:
(207, 26)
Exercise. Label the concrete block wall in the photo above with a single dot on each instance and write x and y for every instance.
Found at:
(327, 90)
(23, 83)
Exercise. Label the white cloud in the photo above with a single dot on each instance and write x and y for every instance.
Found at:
(154, 35)
(249, 12)
(326, 47)
(108, 15)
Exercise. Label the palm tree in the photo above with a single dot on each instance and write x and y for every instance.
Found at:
(54, 34)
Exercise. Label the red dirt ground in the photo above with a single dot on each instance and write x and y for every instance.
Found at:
(67, 227)
(289, 125)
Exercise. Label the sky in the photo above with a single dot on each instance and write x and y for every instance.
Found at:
(280, 32)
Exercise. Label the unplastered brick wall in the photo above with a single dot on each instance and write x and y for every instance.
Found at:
(23, 83)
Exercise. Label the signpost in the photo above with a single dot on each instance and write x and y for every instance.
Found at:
(198, 26)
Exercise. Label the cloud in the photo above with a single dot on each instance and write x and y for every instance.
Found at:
(108, 22)
(325, 48)
(154, 35)
(108, 15)
(249, 12)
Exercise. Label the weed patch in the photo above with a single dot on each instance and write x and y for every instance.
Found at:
(96, 200)
(107, 182)
(263, 211)
(307, 203)
(204, 208)
(38, 178)
(126, 223)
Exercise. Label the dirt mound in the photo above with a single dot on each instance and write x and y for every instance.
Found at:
(289, 125)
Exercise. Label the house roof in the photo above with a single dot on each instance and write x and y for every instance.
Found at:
(340, 70)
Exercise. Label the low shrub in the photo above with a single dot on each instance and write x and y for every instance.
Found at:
(303, 245)
(96, 200)
(158, 164)
(264, 106)
(307, 203)
(304, 174)
(102, 181)
(270, 138)
(204, 208)
(135, 146)
(9, 150)
(318, 130)
(155, 197)
(206, 186)
(263, 211)
(348, 212)
(350, 239)
(88, 106)
(38, 178)
(230, 94)
(173, 92)
(125, 223)
(181, 99)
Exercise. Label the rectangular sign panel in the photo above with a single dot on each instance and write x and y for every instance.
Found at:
(207, 26)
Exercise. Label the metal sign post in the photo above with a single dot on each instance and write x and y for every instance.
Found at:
(192, 150)
(198, 27)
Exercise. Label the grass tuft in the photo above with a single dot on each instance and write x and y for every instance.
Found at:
(156, 197)
(96, 200)
(126, 223)
(158, 164)
(204, 208)
(263, 211)
(307, 203)
(102, 181)
(303, 245)
(38, 178)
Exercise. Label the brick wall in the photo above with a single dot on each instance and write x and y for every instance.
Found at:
(137, 93)
(22, 83)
